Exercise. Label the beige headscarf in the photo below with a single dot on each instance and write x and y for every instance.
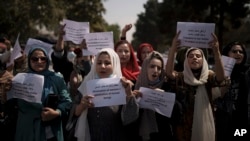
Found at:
(148, 120)
(142, 80)
(203, 128)
(82, 128)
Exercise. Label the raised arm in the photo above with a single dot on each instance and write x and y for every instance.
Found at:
(171, 57)
(219, 69)
(126, 28)
(60, 43)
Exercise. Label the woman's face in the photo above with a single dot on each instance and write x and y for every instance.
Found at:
(104, 66)
(236, 52)
(195, 59)
(144, 52)
(38, 61)
(123, 52)
(154, 69)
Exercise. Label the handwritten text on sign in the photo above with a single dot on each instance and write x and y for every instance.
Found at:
(158, 101)
(195, 34)
(27, 86)
(106, 92)
(99, 40)
(75, 31)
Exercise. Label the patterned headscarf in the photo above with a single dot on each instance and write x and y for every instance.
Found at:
(203, 128)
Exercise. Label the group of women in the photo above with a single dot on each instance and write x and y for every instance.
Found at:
(195, 87)
(193, 118)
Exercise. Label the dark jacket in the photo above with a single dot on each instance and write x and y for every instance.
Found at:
(62, 65)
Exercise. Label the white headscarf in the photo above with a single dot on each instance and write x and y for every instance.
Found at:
(82, 128)
(203, 128)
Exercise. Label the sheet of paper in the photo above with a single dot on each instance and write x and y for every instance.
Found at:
(158, 101)
(98, 40)
(228, 64)
(75, 31)
(86, 52)
(34, 42)
(16, 52)
(165, 60)
(27, 86)
(195, 34)
(106, 92)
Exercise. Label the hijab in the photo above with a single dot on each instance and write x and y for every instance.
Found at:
(148, 120)
(82, 129)
(238, 68)
(30, 114)
(131, 70)
(203, 128)
(48, 75)
(139, 51)
(143, 80)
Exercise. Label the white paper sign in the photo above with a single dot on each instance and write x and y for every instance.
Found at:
(16, 52)
(99, 40)
(86, 52)
(195, 34)
(34, 42)
(228, 64)
(158, 101)
(75, 31)
(165, 60)
(106, 92)
(27, 86)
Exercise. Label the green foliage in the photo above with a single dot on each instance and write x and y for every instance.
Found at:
(146, 28)
(115, 28)
(89, 11)
(159, 20)
(27, 17)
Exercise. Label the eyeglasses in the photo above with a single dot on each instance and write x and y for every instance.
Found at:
(237, 51)
(35, 59)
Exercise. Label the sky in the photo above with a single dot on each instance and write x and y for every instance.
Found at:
(123, 12)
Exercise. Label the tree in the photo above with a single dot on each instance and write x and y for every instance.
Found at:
(89, 11)
(228, 15)
(231, 16)
(28, 17)
(115, 28)
(146, 26)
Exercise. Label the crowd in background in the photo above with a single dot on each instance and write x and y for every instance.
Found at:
(209, 106)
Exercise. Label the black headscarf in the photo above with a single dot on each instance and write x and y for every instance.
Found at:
(242, 67)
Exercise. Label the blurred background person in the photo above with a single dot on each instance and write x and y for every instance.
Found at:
(231, 108)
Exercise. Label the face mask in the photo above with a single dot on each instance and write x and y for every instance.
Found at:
(71, 56)
(4, 57)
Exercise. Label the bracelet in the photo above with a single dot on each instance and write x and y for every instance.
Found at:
(59, 50)
(123, 38)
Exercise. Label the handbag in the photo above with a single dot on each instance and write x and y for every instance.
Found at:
(70, 129)
(70, 126)
(72, 120)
